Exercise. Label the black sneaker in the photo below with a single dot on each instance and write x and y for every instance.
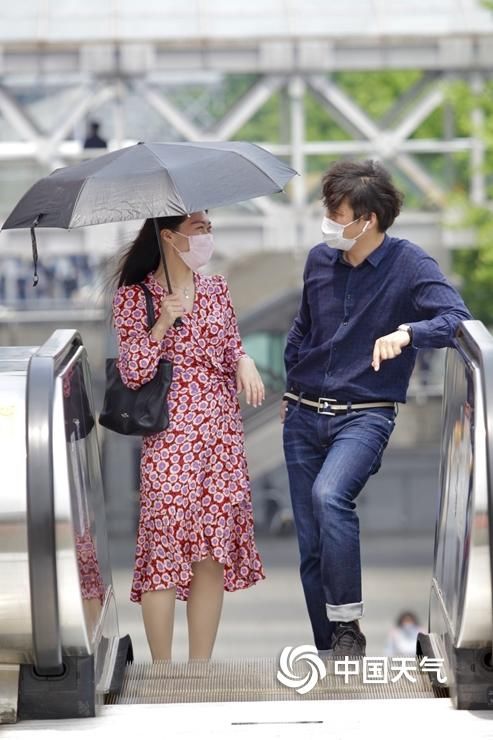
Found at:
(348, 640)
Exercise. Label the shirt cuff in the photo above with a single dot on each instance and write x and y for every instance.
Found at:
(417, 335)
(239, 356)
(153, 339)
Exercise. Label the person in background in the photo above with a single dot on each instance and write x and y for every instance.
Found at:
(369, 302)
(93, 139)
(402, 637)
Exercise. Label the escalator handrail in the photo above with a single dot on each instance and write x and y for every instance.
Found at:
(41, 537)
(476, 342)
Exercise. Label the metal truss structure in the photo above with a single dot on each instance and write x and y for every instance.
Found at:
(112, 56)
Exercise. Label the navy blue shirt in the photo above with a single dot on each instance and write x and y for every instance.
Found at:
(345, 309)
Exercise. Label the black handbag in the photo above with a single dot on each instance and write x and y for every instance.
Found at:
(143, 411)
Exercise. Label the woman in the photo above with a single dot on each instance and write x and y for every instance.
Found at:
(195, 536)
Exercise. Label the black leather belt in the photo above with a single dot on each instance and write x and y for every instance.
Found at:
(331, 407)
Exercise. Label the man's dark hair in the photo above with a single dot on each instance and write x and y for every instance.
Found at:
(368, 188)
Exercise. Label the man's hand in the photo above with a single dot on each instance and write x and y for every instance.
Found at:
(282, 411)
(389, 346)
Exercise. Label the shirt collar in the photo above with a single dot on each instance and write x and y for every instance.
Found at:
(380, 252)
(156, 287)
(374, 258)
(153, 284)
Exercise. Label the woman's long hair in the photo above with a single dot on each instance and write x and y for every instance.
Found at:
(143, 254)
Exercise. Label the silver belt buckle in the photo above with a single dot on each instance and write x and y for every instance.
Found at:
(326, 404)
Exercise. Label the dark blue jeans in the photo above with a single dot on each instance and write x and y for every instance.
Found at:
(329, 459)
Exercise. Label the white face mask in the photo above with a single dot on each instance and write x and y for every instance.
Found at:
(333, 234)
(410, 630)
(201, 247)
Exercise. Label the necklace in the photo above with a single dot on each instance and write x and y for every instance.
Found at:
(187, 291)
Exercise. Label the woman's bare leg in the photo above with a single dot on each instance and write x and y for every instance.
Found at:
(204, 606)
(158, 611)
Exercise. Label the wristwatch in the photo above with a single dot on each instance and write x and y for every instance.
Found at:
(405, 327)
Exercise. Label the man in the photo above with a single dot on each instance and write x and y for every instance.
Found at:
(369, 301)
(93, 139)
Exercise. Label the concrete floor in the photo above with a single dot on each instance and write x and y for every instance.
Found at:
(263, 619)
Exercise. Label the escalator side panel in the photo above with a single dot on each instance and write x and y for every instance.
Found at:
(461, 614)
(462, 571)
(82, 544)
(73, 624)
(58, 616)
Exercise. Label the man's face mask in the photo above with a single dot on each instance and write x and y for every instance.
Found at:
(333, 234)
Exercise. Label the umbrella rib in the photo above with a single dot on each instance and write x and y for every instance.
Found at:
(77, 199)
(163, 164)
(259, 169)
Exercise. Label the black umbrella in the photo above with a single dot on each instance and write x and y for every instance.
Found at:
(149, 181)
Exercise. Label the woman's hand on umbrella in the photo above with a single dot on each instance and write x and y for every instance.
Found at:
(171, 308)
(248, 379)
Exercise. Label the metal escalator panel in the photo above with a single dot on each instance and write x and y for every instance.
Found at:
(84, 576)
(57, 608)
(461, 617)
(462, 573)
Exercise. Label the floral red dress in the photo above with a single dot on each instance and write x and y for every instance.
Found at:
(195, 499)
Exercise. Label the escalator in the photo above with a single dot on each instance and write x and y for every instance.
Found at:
(461, 606)
(59, 642)
(61, 654)
(255, 680)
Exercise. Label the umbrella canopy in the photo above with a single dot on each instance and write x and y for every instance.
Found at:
(150, 180)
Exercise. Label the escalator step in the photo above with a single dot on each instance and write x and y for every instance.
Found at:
(256, 680)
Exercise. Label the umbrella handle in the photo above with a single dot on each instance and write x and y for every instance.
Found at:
(34, 247)
(178, 321)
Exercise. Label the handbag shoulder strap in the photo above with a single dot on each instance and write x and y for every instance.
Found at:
(151, 319)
